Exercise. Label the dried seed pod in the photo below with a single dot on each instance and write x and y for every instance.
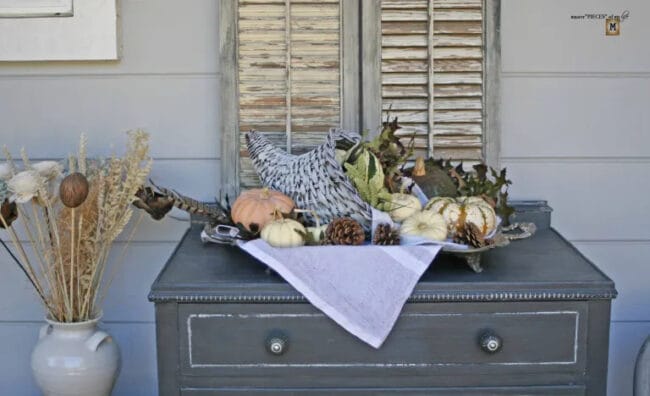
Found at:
(9, 212)
(73, 190)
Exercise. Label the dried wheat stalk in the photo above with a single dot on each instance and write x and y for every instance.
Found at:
(72, 245)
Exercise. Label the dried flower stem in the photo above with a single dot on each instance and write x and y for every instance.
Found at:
(26, 268)
(72, 254)
(72, 245)
(121, 259)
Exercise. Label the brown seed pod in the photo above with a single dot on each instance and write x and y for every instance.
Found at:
(74, 190)
(9, 212)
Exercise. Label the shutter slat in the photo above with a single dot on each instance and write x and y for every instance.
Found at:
(438, 78)
(439, 104)
(441, 40)
(397, 4)
(420, 65)
(440, 27)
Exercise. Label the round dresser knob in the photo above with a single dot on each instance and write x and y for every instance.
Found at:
(277, 345)
(491, 343)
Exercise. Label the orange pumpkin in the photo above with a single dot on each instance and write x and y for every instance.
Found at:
(256, 206)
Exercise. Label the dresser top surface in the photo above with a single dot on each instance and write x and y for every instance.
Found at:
(544, 267)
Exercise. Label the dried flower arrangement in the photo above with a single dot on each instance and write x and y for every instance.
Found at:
(71, 219)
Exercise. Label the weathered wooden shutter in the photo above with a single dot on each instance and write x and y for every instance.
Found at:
(289, 73)
(432, 62)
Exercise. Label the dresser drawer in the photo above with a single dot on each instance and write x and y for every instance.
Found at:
(429, 339)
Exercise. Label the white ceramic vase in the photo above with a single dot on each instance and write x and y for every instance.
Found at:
(75, 359)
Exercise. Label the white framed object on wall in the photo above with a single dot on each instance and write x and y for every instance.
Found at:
(42, 30)
(35, 8)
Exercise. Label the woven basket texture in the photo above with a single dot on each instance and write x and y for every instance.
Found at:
(314, 180)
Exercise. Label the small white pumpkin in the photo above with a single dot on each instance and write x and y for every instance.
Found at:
(403, 206)
(426, 224)
(459, 211)
(445, 206)
(283, 232)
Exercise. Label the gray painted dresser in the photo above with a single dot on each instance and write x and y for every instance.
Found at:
(535, 322)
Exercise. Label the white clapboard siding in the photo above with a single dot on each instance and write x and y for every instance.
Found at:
(585, 48)
(431, 74)
(289, 73)
(625, 262)
(134, 274)
(566, 116)
(592, 200)
(47, 114)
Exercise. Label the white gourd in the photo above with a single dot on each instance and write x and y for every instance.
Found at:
(426, 224)
(464, 209)
(284, 233)
(403, 206)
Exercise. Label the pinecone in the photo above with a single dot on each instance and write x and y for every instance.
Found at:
(344, 231)
(385, 235)
(470, 234)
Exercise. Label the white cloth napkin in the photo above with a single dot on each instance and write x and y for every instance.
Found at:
(362, 288)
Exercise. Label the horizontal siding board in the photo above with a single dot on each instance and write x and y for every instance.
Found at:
(624, 262)
(586, 196)
(566, 117)
(47, 115)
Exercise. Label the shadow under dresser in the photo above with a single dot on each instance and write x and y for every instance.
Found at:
(534, 322)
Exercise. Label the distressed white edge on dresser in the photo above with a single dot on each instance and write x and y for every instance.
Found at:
(377, 365)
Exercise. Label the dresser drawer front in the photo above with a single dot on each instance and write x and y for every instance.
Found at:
(427, 336)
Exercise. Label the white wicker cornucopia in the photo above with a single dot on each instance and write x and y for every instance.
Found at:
(314, 180)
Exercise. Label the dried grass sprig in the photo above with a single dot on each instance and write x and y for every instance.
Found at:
(72, 245)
